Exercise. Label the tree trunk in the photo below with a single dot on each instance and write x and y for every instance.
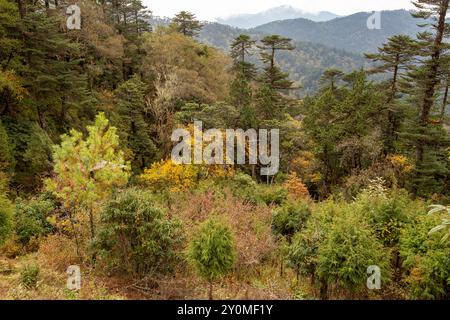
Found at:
(210, 290)
(431, 83)
(323, 290)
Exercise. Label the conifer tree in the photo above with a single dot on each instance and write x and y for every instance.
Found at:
(133, 125)
(428, 138)
(186, 23)
(394, 58)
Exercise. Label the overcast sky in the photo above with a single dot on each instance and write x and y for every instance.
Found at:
(210, 9)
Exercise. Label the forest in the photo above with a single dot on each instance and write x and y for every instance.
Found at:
(87, 178)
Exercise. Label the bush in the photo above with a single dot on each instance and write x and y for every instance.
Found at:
(387, 212)
(302, 253)
(30, 218)
(290, 218)
(211, 251)
(272, 195)
(426, 259)
(136, 236)
(349, 248)
(29, 276)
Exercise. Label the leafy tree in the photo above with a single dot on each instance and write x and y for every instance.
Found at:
(87, 171)
(211, 251)
(147, 242)
(186, 23)
(7, 160)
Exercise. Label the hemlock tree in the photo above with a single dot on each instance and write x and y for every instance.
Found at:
(211, 251)
(187, 24)
(87, 170)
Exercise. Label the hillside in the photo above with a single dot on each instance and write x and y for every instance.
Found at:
(305, 64)
(348, 33)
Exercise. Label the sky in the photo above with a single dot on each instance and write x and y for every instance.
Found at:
(210, 9)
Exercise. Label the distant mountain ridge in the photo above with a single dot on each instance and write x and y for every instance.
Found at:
(247, 21)
(348, 33)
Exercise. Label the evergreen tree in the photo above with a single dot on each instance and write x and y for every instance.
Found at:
(240, 49)
(394, 57)
(187, 24)
(273, 76)
(428, 138)
(133, 127)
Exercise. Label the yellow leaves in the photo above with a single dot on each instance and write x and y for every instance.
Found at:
(401, 163)
(296, 188)
(168, 175)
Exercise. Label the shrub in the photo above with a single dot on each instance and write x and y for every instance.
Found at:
(426, 259)
(290, 218)
(29, 276)
(348, 249)
(30, 218)
(272, 195)
(211, 251)
(136, 236)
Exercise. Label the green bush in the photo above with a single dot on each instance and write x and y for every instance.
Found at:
(30, 218)
(271, 194)
(388, 213)
(290, 218)
(29, 276)
(211, 251)
(349, 248)
(426, 259)
(136, 236)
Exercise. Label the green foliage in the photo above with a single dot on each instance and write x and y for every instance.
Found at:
(136, 236)
(186, 23)
(387, 212)
(426, 259)
(7, 161)
(290, 218)
(132, 122)
(349, 248)
(29, 276)
(30, 218)
(211, 251)
(6, 209)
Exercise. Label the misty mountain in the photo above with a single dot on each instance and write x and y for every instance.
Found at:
(247, 21)
(347, 33)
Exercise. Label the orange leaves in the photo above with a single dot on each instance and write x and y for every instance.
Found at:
(296, 188)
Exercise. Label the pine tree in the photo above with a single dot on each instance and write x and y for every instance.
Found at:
(394, 58)
(427, 137)
(187, 24)
(240, 50)
(273, 76)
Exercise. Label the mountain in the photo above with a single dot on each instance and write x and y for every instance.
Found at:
(305, 64)
(348, 33)
(247, 21)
